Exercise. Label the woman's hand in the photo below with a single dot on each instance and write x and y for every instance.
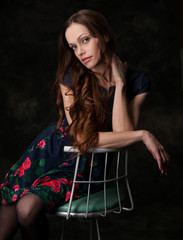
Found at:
(118, 71)
(158, 152)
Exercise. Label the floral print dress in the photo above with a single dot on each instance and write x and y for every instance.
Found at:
(47, 171)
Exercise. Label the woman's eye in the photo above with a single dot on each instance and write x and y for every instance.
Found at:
(73, 48)
(85, 40)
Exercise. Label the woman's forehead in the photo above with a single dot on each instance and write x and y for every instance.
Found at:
(75, 31)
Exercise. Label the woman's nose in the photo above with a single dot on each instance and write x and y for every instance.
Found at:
(80, 50)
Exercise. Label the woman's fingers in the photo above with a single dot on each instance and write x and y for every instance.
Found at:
(167, 162)
(164, 161)
(159, 161)
(118, 68)
(160, 155)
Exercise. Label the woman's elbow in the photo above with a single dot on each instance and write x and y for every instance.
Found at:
(129, 127)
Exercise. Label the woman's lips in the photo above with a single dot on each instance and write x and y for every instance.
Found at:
(87, 59)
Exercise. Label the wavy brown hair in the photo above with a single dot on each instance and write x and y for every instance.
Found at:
(88, 110)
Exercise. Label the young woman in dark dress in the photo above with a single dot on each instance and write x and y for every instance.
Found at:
(99, 101)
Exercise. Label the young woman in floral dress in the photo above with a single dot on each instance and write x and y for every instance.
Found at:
(98, 102)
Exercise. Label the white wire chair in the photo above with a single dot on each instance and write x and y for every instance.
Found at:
(107, 200)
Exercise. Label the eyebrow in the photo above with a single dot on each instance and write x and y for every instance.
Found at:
(78, 38)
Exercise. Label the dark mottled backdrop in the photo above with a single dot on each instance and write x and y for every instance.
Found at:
(148, 37)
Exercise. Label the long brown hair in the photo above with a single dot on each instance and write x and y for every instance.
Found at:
(88, 110)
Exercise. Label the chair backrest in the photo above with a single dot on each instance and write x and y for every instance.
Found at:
(107, 199)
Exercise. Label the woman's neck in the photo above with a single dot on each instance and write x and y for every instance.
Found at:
(104, 80)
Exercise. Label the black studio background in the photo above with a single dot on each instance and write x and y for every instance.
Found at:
(147, 35)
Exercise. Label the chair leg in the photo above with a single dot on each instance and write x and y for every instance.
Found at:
(91, 229)
(63, 225)
(98, 231)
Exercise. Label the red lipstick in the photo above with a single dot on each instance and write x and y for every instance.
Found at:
(86, 59)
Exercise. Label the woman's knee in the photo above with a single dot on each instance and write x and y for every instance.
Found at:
(28, 209)
(23, 213)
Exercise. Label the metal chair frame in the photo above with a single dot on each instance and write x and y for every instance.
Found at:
(118, 209)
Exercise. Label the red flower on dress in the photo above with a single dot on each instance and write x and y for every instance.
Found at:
(24, 192)
(37, 181)
(63, 135)
(54, 184)
(16, 188)
(79, 175)
(75, 188)
(64, 181)
(16, 172)
(4, 202)
(6, 175)
(65, 163)
(76, 184)
(21, 173)
(63, 132)
(51, 206)
(14, 198)
(67, 196)
(26, 165)
(4, 184)
(41, 144)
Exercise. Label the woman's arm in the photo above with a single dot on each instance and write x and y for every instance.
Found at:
(121, 120)
(125, 115)
(135, 106)
(123, 139)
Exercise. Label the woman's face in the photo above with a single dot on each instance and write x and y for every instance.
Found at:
(85, 46)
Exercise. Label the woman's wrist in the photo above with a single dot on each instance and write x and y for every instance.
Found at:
(144, 135)
(120, 85)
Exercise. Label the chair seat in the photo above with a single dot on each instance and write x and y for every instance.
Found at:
(96, 204)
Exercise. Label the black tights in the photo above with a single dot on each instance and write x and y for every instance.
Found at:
(8, 221)
(28, 214)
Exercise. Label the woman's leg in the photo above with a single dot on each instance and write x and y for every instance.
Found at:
(31, 217)
(8, 221)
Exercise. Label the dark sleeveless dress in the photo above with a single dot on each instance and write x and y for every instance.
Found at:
(46, 170)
